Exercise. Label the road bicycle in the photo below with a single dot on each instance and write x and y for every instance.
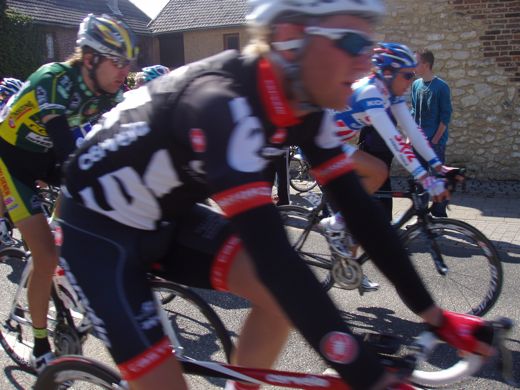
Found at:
(68, 326)
(84, 373)
(300, 178)
(459, 265)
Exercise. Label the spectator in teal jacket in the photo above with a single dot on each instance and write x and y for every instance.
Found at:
(431, 109)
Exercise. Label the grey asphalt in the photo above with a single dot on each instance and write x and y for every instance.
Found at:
(498, 217)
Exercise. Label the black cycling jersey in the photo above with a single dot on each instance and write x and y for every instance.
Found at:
(210, 129)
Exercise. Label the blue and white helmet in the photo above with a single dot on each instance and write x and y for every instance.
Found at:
(265, 12)
(154, 71)
(393, 56)
(9, 86)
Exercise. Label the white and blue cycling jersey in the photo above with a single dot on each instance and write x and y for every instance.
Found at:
(372, 104)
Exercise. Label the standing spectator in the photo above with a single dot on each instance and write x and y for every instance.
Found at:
(431, 109)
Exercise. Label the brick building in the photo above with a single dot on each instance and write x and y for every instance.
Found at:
(476, 44)
(59, 21)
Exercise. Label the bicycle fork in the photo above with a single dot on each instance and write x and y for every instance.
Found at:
(435, 251)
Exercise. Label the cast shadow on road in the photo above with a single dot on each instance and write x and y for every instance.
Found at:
(223, 300)
(382, 320)
(10, 375)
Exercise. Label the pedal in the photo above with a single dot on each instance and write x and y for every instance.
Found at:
(382, 343)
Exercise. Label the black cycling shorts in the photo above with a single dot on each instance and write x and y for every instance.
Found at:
(108, 264)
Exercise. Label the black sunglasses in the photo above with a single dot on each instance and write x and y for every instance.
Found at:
(352, 42)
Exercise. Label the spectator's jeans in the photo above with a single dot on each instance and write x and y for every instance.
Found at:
(438, 209)
(440, 150)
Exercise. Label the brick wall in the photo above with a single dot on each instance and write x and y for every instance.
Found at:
(476, 44)
(501, 38)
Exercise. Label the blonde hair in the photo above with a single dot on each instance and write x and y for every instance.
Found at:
(258, 42)
(78, 55)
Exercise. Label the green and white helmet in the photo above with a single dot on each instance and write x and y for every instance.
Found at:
(265, 12)
(108, 36)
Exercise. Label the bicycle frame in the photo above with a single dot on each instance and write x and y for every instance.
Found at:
(423, 347)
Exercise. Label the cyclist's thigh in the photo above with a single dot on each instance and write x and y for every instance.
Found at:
(107, 267)
(367, 164)
(202, 251)
(19, 193)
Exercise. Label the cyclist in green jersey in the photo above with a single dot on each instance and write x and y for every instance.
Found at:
(41, 126)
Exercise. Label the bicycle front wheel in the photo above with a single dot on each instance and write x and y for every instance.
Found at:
(309, 242)
(78, 372)
(459, 266)
(196, 326)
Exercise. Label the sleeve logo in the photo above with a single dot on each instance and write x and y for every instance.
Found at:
(198, 140)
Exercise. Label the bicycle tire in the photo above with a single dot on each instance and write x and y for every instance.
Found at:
(300, 178)
(67, 371)
(218, 328)
(309, 242)
(16, 335)
(13, 252)
(471, 287)
(11, 272)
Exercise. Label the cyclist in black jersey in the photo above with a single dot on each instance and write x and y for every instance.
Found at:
(40, 126)
(132, 193)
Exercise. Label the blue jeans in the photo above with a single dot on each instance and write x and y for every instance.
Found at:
(438, 208)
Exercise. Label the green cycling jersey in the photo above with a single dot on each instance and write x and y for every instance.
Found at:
(54, 89)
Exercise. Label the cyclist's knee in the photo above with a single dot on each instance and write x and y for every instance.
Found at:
(166, 376)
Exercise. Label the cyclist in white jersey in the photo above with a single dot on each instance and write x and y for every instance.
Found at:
(378, 102)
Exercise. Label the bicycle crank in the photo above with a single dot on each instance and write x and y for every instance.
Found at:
(346, 272)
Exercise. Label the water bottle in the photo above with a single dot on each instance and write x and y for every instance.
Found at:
(64, 289)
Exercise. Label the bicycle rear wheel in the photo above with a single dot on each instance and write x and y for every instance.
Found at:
(309, 242)
(195, 323)
(79, 373)
(473, 276)
(300, 177)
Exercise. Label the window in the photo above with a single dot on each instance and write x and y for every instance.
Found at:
(49, 42)
(232, 41)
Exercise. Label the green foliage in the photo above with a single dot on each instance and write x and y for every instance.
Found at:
(21, 50)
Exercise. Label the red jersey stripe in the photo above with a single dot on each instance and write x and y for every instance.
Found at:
(333, 168)
(242, 198)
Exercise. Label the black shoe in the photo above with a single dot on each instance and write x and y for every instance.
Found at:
(438, 213)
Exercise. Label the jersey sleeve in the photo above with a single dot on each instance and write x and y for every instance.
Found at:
(230, 138)
(53, 91)
(377, 116)
(415, 134)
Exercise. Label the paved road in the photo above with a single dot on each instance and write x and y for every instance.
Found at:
(498, 218)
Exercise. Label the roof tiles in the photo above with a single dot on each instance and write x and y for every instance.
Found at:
(71, 12)
(185, 15)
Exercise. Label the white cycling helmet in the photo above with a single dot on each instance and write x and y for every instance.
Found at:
(265, 12)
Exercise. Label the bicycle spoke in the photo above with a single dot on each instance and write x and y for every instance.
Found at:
(473, 271)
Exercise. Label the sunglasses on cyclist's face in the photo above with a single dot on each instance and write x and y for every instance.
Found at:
(118, 62)
(408, 75)
(353, 42)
